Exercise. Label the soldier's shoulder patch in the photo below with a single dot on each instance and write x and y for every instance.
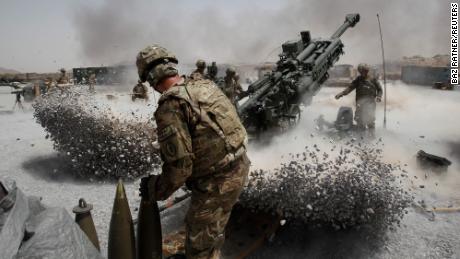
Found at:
(166, 132)
(170, 150)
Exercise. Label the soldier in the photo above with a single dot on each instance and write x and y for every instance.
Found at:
(92, 82)
(36, 89)
(140, 91)
(49, 84)
(202, 143)
(368, 92)
(18, 99)
(212, 72)
(232, 87)
(199, 72)
(63, 79)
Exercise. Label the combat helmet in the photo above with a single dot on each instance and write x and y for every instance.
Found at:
(363, 67)
(150, 57)
(231, 71)
(201, 64)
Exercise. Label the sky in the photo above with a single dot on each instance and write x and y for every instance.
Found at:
(43, 36)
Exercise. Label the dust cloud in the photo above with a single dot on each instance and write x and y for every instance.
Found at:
(418, 118)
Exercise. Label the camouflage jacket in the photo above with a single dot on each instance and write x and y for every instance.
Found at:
(92, 79)
(232, 89)
(195, 75)
(198, 131)
(365, 88)
(140, 89)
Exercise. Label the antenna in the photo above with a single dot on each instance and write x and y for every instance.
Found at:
(384, 77)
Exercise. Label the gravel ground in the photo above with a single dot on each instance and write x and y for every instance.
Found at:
(416, 120)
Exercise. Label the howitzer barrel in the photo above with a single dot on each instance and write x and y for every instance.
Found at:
(350, 21)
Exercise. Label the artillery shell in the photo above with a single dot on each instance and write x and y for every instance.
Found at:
(84, 219)
(121, 233)
(149, 238)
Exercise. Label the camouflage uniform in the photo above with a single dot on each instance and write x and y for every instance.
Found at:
(202, 146)
(367, 90)
(199, 71)
(140, 91)
(63, 79)
(49, 84)
(92, 82)
(232, 87)
(212, 72)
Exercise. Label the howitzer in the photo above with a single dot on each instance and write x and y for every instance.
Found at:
(274, 99)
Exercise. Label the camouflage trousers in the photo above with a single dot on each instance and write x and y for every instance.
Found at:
(212, 201)
(365, 113)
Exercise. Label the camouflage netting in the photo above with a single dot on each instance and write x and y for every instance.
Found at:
(98, 142)
(353, 189)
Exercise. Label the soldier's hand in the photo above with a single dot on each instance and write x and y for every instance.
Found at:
(378, 99)
(338, 96)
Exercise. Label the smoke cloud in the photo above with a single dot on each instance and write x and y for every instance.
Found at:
(116, 30)
(416, 121)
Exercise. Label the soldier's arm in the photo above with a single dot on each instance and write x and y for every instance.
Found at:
(350, 88)
(239, 90)
(378, 87)
(175, 146)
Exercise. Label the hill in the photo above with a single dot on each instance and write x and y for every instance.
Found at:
(8, 71)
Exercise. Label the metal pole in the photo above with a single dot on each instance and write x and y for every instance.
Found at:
(384, 77)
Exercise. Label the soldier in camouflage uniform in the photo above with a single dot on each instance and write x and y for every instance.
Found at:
(368, 92)
(212, 72)
(232, 87)
(92, 82)
(199, 71)
(49, 84)
(202, 144)
(140, 91)
(63, 78)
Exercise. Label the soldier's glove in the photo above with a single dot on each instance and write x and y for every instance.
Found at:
(144, 190)
(378, 99)
(338, 96)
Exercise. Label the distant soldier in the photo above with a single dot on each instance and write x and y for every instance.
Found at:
(199, 71)
(140, 91)
(49, 84)
(36, 89)
(92, 82)
(368, 92)
(63, 79)
(18, 99)
(232, 87)
(212, 72)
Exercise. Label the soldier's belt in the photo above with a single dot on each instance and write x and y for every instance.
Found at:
(229, 158)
